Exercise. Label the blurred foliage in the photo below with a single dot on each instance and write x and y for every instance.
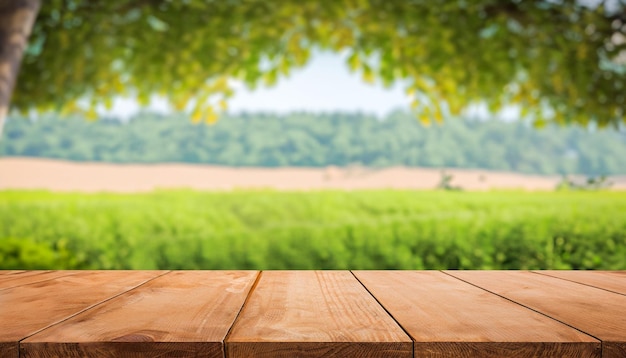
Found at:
(561, 61)
(591, 183)
(445, 183)
(314, 230)
(26, 254)
(319, 140)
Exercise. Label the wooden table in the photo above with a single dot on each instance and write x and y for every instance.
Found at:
(312, 314)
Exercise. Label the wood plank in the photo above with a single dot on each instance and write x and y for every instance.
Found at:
(614, 281)
(181, 314)
(450, 318)
(21, 278)
(314, 314)
(597, 312)
(24, 310)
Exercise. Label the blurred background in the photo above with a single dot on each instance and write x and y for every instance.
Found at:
(325, 166)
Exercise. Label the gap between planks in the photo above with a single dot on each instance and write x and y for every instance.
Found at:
(230, 329)
(578, 281)
(523, 305)
(599, 313)
(92, 306)
(388, 313)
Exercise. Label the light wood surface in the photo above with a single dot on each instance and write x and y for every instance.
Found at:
(594, 311)
(450, 318)
(10, 279)
(181, 314)
(314, 314)
(24, 310)
(614, 281)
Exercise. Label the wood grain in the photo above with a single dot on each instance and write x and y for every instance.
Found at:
(450, 318)
(505, 349)
(122, 349)
(597, 312)
(9, 350)
(180, 314)
(24, 310)
(21, 278)
(314, 314)
(7, 275)
(10, 272)
(614, 281)
(614, 350)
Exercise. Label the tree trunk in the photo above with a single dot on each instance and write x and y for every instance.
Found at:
(16, 21)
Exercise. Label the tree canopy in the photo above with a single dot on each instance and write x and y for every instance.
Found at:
(561, 61)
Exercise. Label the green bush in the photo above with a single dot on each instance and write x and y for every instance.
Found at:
(382, 229)
(29, 255)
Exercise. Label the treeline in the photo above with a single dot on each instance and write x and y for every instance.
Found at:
(314, 140)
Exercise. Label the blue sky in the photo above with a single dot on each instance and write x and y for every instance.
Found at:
(325, 84)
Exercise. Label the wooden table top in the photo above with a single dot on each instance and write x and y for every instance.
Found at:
(312, 314)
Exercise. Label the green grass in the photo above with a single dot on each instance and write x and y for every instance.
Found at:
(384, 229)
